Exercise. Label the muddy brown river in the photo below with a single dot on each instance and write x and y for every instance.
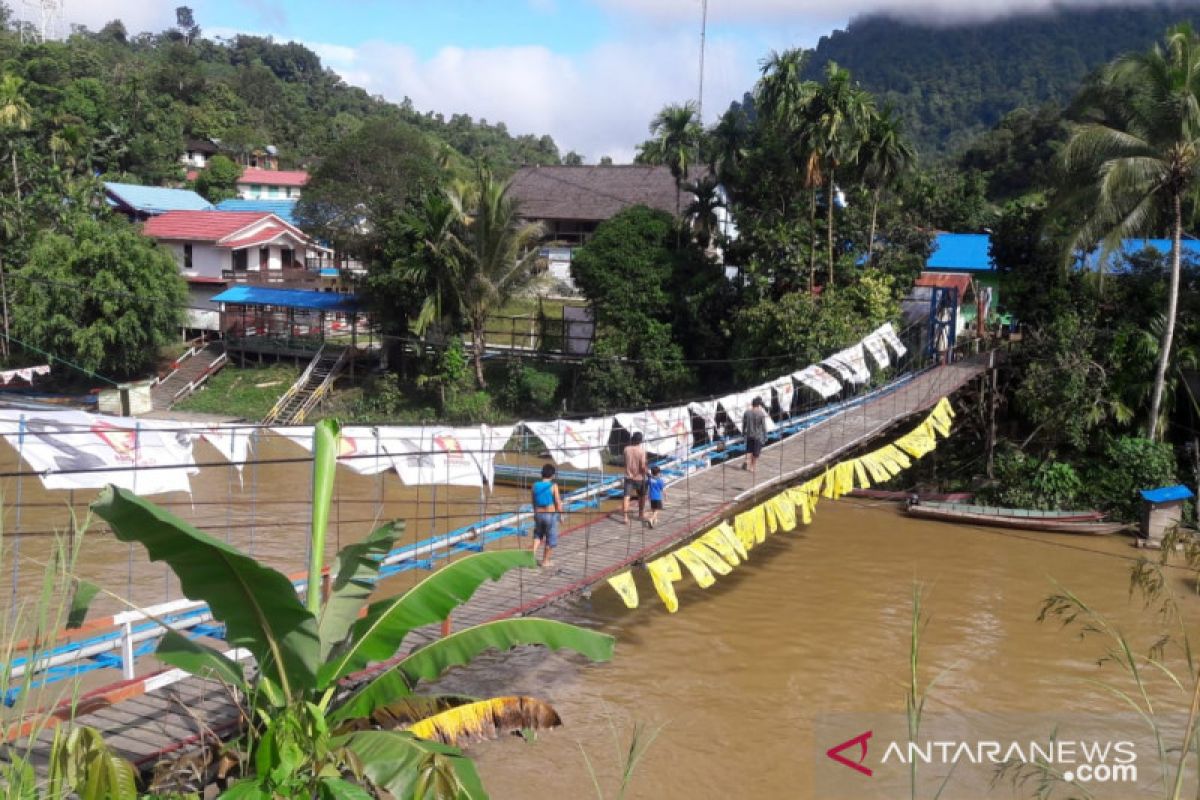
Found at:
(752, 680)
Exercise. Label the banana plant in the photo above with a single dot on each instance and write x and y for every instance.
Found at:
(304, 652)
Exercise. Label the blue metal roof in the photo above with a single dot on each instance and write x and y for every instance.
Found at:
(961, 252)
(283, 209)
(1167, 494)
(289, 298)
(155, 199)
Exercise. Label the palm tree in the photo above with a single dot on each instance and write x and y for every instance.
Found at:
(702, 211)
(886, 154)
(726, 145)
(839, 115)
(676, 131)
(498, 254)
(15, 116)
(1139, 159)
(433, 266)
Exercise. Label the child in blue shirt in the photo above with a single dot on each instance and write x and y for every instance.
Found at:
(657, 491)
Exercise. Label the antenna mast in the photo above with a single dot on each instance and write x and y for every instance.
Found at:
(703, 31)
(49, 18)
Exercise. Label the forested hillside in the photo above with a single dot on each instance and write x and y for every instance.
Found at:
(125, 103)
(951, 83)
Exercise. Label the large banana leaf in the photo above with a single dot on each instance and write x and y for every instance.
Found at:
(378, 635)
(325, 451)
(358, 567)
(460, 648)
(258, 605)
(179, 651)
(412, 769)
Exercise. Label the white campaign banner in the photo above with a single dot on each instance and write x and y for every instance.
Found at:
(75, 450)
(785, 391)
(434, 455)
(359, 447)
(667, 431)
(878, 350)
(888, 333)
(818, 380)
(492, 440)
(705, 410)
(578, 442)
(851, 363)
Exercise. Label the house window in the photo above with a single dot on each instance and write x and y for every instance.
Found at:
(187, 256)
(273, 190)
(256, 190)
(286, 256)
(239, 260)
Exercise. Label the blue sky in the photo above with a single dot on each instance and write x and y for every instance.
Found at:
(591, 73)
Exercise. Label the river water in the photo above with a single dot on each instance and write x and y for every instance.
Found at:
(747, 682)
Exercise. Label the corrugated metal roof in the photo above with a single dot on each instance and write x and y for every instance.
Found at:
(284, 209)
(1166, 494)
(288, 298)
(154, 199)
(592, 193)
(274, 177)
(961, 252)
(957, 280)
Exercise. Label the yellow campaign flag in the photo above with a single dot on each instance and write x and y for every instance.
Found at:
(718, 541)
(623, 585)
(743, 527)
(769, 515)
(699, 570)
(827, 483)
(860, 474)
(710, 558)
(725, 530)
(758, 523)
(662, 572)
(785, 511)
(845, 478)
(873, 465)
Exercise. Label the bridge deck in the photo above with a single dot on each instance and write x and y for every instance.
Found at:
(179, 719)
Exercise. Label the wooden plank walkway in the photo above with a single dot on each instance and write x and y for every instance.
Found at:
(177, 721)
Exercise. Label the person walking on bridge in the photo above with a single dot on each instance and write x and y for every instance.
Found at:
(637, 471)
(547, 511)
(754, 429)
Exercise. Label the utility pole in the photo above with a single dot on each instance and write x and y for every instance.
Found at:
(703, 32)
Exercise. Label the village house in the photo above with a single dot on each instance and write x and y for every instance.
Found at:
(271, 184)
(140, 203)
(197, 152)
(217, 248)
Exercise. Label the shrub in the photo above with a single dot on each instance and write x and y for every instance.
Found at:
(470, 407)
(527, 388)
(1130, 464)
(1031, 483)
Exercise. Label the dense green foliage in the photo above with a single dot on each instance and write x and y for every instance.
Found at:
(131, 306)
(951, 82)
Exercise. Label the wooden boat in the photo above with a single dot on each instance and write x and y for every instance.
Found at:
(1079, 522)
(890, 494)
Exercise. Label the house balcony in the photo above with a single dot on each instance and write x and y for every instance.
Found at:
(285, 278)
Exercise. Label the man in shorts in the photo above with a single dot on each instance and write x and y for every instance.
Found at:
(547, 509)
(636, 472)
(754, 428)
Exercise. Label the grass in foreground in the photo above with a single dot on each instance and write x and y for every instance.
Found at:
(244, 392)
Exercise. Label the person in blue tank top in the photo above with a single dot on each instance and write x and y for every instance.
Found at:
(547, 509)
(658, 490)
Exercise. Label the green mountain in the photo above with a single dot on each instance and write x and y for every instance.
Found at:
(951, 82)
(120, 104)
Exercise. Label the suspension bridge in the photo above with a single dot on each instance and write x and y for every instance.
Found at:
(170, 717)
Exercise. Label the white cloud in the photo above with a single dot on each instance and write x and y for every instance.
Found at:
(757, 11)
(598, 103)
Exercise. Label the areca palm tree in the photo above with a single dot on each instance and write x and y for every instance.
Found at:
(498, 254)
(15, 116)
(702, 211)
(1138, 159)
(676, 131)
(886, 154)
(839, 116)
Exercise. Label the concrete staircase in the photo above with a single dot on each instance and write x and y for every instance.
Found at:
(311, 387)
(191, 370)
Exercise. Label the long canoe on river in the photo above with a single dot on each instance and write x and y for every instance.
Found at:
(902, 496)
(1082, 522)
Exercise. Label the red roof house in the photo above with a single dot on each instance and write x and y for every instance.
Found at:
(271, 184)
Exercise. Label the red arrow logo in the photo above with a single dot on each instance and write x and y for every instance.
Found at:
(835, 753)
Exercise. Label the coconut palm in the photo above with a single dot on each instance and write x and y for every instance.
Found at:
(1138, 159)
(499, 251)
(886, 154)
(435, 260)
(676, 131)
